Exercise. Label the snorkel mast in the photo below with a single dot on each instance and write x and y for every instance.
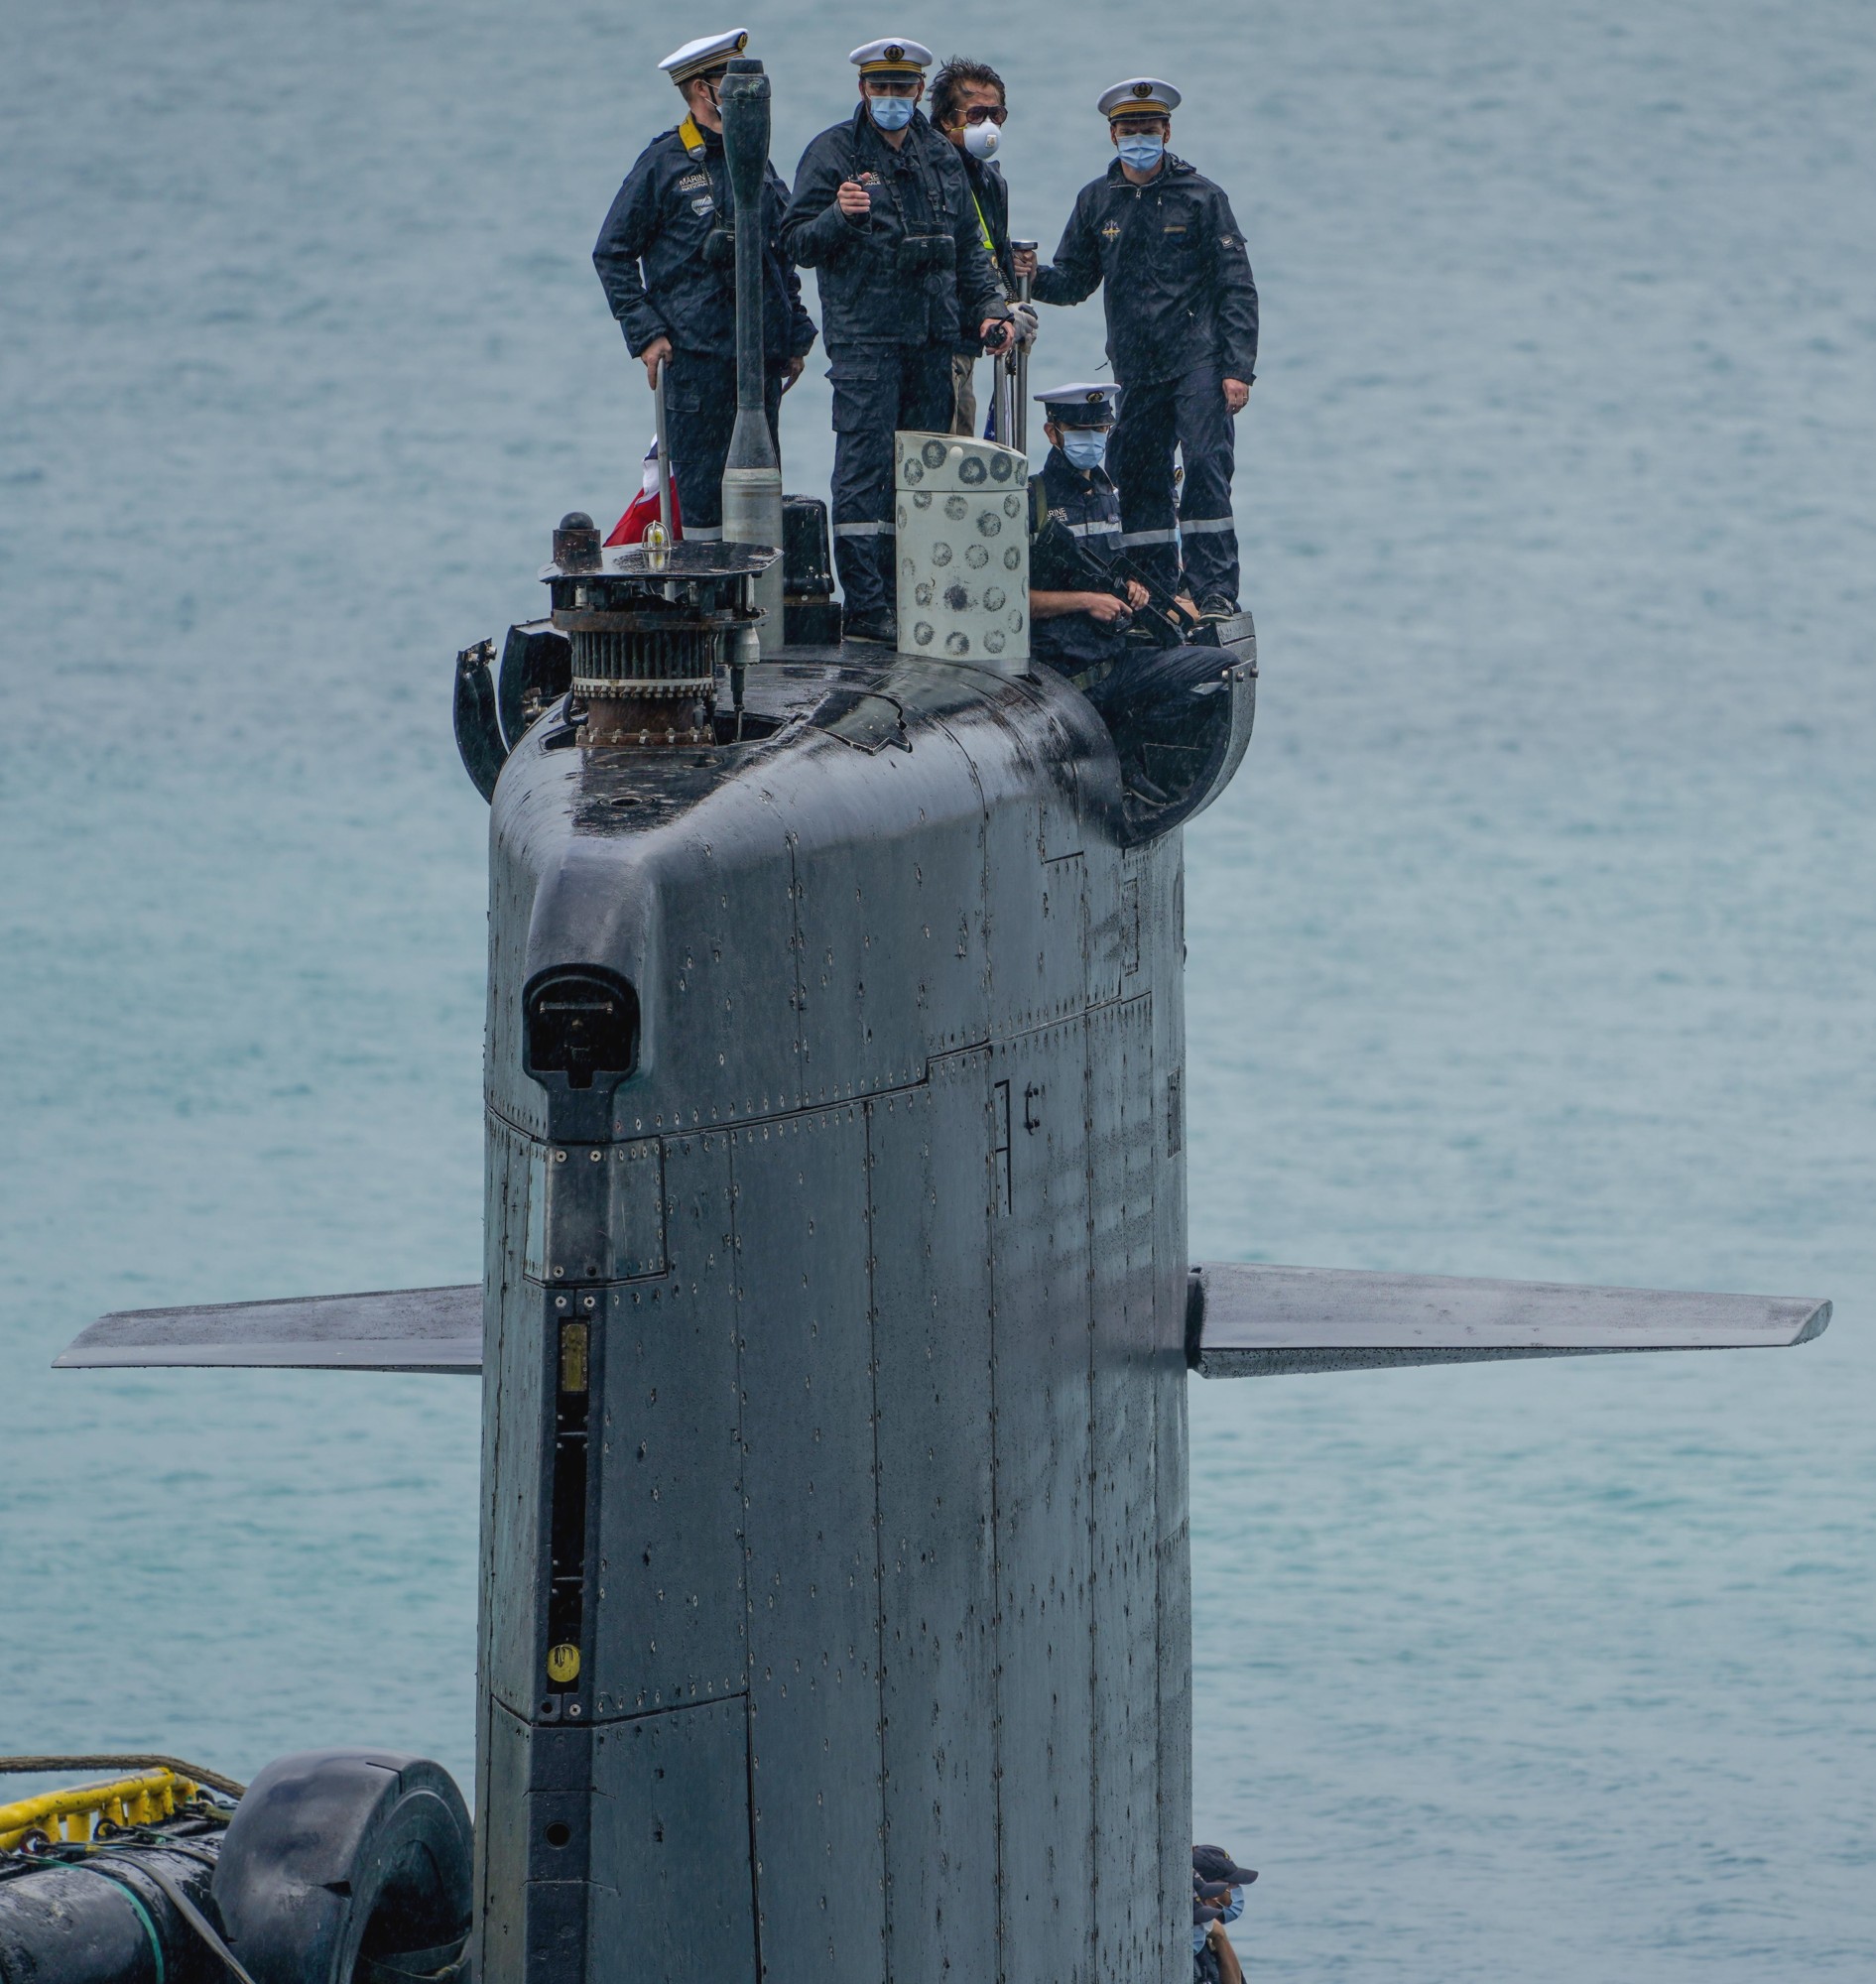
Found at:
(752, 479)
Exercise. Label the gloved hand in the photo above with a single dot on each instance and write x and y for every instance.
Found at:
(1023, 315)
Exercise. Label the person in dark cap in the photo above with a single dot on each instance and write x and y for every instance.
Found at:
(1218, 1885)
(667, 258)
(1213, 1863)
(1208, 1957)
(882, 212)
(1164, 247)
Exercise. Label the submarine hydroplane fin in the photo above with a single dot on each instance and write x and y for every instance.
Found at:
(1243, 1322)
(1253, 1321)
(393, 1329)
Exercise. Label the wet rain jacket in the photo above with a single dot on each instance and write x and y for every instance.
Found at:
(1176, 281)
(665, 276)
(874, 288)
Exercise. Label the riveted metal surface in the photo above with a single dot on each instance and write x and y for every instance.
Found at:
(888, 866)
(532, 1869)
(1125, 1921)
(811, 1521)
(595, 1211)
(1045, 1704)
(890, 1450)
(1111, 949)
(931, 1188)
(1163, 940)
(669, 1604)
(728, 1035)
(516, 1458)
(671, 1834)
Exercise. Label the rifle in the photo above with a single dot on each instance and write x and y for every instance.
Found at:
(1164, 603)
(1112, 575)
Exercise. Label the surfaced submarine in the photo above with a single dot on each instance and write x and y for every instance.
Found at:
(835, 1332)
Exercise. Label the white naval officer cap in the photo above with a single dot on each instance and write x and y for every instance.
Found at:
(1138, 96)
(893, 56)
(1087, 403)
(706, 52)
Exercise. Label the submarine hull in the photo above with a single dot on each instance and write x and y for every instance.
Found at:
(835, 1579)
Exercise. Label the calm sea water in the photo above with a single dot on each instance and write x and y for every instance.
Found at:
(1536, 939)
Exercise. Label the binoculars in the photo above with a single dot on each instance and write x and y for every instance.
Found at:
(922, 254)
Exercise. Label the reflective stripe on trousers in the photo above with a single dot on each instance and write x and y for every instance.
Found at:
(878, 390)
(1188, 414)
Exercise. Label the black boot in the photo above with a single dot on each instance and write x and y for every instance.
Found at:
(882, 627)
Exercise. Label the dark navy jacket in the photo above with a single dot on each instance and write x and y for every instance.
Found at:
(665, 277)
(1073, 514)
(872, 292)
(992, 193)
(1177, 283)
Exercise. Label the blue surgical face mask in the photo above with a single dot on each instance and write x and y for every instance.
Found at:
(1141, 151)
(891, 113)
(1235, 1906)
(1086, 448)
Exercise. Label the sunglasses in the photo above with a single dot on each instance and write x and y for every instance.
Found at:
(985, 113)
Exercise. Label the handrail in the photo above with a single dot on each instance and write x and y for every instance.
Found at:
(74, 1813)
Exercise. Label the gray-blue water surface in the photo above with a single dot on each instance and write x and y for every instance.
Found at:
(1535, 937)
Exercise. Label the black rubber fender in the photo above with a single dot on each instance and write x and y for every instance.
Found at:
(341, 1855)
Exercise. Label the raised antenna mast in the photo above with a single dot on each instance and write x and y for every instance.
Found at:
(752, 479)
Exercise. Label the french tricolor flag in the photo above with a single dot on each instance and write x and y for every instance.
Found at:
(642, 512)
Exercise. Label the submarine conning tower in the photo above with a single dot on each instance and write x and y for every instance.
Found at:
(836, 1591)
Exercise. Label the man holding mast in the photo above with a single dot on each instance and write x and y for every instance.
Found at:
(1164, 246)
(667, 257)
(882, 211)
(969, 106)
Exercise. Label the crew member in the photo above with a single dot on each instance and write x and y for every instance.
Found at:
(667, 257)
(882, 209)
(969, 106)
(1182, 334)
(1078, 615)
(1122, 647)
(1218, 1885)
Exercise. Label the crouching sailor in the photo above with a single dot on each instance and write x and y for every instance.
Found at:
(883, 212)
(1120, 641)
(1078, 614)
(667, 257)
(1162, 245)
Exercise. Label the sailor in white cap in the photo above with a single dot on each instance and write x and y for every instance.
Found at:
(1162, 245)
(1078, 617)
(1127, 648)
(667, 258)
(882, 213)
